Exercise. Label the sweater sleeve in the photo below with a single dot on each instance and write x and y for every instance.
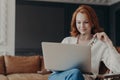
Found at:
(111, 58)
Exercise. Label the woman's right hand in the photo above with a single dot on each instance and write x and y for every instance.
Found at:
(103, 36)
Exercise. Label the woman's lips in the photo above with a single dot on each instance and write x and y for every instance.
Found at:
(82, 29)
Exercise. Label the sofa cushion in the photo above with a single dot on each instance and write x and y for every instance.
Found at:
(22, 64)
(27, 76)
(2, 65)
(3, 77)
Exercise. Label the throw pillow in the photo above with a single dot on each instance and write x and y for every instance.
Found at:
(22, 64)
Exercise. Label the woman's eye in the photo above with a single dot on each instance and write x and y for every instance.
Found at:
(85, 22)
(78, 22)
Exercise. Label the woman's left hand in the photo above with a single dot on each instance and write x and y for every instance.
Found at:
(103, 36)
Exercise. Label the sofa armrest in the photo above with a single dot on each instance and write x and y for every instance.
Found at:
(44, 71)
(105, 76)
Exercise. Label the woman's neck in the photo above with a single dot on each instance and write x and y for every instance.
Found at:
(84, 39)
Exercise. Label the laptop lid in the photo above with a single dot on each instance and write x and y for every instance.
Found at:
(60, 57)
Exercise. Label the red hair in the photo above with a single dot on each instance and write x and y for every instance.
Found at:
(91, 16)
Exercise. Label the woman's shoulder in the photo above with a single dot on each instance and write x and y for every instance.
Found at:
(69, 39)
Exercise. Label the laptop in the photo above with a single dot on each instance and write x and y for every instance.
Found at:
(61, 57)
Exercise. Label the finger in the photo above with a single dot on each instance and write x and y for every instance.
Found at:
(99, 36)
(95, 35)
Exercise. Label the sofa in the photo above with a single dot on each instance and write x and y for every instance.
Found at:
(22, 68)
(27, 68)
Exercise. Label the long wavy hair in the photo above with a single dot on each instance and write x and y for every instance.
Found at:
(91, 16)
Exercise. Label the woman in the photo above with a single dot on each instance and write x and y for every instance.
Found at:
(85, 30)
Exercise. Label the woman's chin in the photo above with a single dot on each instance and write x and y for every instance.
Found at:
(82, 33)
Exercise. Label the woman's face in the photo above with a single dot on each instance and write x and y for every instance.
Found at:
(83, 24)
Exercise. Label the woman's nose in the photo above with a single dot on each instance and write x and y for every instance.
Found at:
(82, 25)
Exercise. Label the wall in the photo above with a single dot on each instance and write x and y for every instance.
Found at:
(107, 17)
(47, 21)
(7, 27)
(115, 23)
(35, 24)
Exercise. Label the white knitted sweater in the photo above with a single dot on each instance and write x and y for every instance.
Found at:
(100, 51)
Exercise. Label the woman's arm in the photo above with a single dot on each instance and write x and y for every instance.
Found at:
(103, 36)
(110, 57)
